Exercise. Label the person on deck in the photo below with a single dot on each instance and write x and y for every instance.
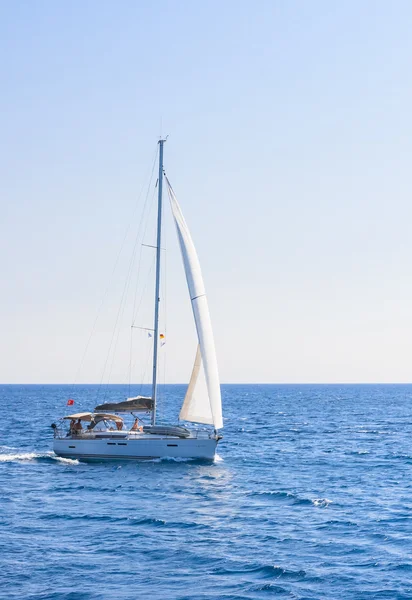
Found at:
(78, 427)
(135, 426)
(73, 426)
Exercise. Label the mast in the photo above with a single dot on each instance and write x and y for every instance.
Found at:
(157, 286)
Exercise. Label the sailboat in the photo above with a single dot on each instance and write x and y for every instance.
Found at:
(102, 434)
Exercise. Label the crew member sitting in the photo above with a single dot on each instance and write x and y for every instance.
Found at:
(135, 426)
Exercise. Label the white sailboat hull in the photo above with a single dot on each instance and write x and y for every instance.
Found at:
(137, 448)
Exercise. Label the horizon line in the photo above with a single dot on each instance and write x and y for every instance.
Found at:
(227, 383)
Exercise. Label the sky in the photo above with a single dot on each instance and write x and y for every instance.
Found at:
(289, 149)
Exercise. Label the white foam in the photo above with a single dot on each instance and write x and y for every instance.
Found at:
(20, 456)
(176, 458)
(27, 456)
(321, 502)
(67, 461)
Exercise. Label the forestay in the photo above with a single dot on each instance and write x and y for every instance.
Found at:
(198, 407)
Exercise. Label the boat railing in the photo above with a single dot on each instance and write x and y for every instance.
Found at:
(60, 433)
(202, 434)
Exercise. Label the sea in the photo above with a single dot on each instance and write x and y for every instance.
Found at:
(309, 498)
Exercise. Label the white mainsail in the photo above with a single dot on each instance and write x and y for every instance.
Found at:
(198, 407)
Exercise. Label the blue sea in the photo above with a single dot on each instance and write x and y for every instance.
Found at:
(310, 498)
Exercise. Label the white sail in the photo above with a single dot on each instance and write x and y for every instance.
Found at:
(196, 405)
(208, 408)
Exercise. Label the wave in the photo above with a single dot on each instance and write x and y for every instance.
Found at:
(321, 502)
(318, 502)
(273, 494)
(67, 461)
(398, 455)
(77, 595)
(169, 459)
(181, 459)
(265, 571)
(127, 521)
(270, 587)
(334, 522)
(401, 567)
(375, 431)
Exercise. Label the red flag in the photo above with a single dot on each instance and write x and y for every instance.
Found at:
(70, 402)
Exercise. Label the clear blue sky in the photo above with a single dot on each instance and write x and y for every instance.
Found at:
(290, 151)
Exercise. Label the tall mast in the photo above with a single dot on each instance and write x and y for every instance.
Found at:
(157, 291)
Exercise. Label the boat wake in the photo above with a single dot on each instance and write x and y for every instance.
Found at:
(172, 459)
(50, 457)
(35, 456)
(182, 459)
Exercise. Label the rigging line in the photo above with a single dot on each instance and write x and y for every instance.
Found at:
(126, 286)
(115, 337)
(137, 283)
(130, 359)
(146, 216)
(144, 290)
(123, 303)
(163, 390)
(133, 326)
(133, 311)
(148, 357)
(139, 264)
(120, 313)
(148, 278)
(112, 274)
